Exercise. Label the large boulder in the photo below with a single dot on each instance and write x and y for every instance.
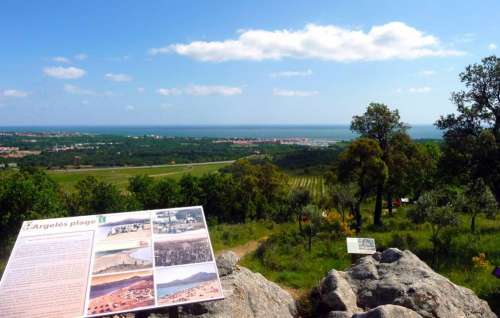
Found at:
(247, 295)
(398, 278)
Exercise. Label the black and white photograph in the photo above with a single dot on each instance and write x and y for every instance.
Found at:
(185, 249)
(178, 221)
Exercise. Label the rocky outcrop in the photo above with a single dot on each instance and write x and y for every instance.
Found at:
(247, 295)
(396, 283)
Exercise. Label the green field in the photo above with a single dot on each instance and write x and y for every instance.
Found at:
(120, 175)
(315, 184)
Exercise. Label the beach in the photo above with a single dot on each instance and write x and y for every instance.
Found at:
(120, 261)
(138, 294)
(204, 290)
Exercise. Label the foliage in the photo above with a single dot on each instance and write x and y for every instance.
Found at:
(26, 195)
(284, 257)
(480, 261)
(435, 208)
(472, 137)
(380, 124)
(478, 198)
(97, 197)
(344, 198)
(361, 163)
(314, 218)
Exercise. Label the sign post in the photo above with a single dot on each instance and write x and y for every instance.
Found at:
(109, 264)
(360, 246)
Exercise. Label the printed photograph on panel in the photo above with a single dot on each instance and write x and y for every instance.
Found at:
(188, 283)
(123, 230)
(178, 221)
(119, 292)
(184, 249)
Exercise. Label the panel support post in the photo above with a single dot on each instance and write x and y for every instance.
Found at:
(173, 312)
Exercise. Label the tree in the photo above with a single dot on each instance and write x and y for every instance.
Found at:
(422, 174)
(439, 209)
(478, 198)
(380, 124)
(190, 191)
(95, 197)
(168, 195)
(217, 196)
(361, 163)
(26, 195)
(142, 188)
(299, 198)
(313, 223)
(344, 198)
(472, 136)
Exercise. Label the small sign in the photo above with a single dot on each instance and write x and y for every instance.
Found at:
(358, 245)
(496, 272)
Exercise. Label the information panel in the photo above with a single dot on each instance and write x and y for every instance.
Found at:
(111, 263)
(359, 245)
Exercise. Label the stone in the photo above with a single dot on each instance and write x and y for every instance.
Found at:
(226, 263)
(336, 293)
(388, 311)
(246, 295)
(338, 314)
(401, 278)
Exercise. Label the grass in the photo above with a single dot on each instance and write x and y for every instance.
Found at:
(119, 176)
(315, 184)
(285, 259)
(227, 236)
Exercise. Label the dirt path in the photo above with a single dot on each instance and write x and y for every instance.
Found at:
(249, 247)
(243, 250)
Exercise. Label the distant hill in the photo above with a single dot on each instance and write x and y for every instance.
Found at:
(198, 277)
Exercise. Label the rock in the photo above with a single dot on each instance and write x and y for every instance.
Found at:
(247, 295)
(336, 293)
(339, 314)
(399, 278)
(388, 311)
(226, 263)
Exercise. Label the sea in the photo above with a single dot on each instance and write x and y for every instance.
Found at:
(328, 132)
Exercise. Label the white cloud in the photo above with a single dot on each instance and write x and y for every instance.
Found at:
(64, 72)
(419, 90)
(61, 59)
(427, 73)
(85, 102)
(129, 107)
(81, 56)
(291, 73)
(140, 89)
(169, 91)
(492, 46)
(15, 93)
(293, 93)
(118, 77)
(201, 90)
(394, 40)
(166, 106)
(72, 89)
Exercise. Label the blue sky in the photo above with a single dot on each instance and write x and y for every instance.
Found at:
(235, 62)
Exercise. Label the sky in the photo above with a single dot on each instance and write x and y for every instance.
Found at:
(235, 62)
